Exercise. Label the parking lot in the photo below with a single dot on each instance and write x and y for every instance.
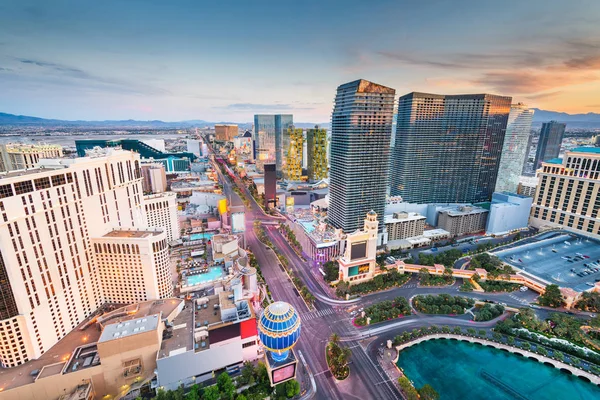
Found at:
(567, 259)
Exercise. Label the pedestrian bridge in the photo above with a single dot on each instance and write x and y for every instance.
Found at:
(438, 269)
(595, 379)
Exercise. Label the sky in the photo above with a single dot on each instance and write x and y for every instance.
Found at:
(227, 60)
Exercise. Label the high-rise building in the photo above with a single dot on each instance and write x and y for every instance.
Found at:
(567, 194)
(154, 178)
(361, 126)
(134, 265)
(49, 274)
(270, 184)
(548, 146)
(447, 147)
(270, 138)
(226, 133)
(161, 212)
(316, 149)
(292, 166)
(514, 148)
(15, 156)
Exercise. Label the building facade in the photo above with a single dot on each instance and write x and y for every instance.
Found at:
(226, 133)
(404, 225)
(15, 156)
(161, 212)
(508, 212)
(567, 194)
(270, 184)
(154, 178)
(527, 185)
(361, 126)
(515, 148)
(294, 152)
(134, 265)
(447, 147)
(270, 139)
(48, 216)
(463, 220)
(548, 146)
(316, 154)
(357, 263)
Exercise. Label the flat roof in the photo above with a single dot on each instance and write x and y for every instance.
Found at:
(433, 232)
(410, 216)
(554, 161)
(182, 338)
(453, 212)
(129, 328)
(134, 233)
(593, 150)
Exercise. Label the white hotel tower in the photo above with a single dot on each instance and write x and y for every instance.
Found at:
(50, 275)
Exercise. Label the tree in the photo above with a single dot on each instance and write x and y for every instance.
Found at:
(194, 393)
(161, 394)
(427, 392)
(482, 332)
(211, 393)
(178, 394)
(292, 388)
(552, 297)
(407, 388)
(331, 269)
(226, 386)
(241, 397)
(247, 376)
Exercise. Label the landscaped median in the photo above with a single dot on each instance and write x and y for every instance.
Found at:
(384, 311)
(442, 304)
(337, 358)
(380, 282)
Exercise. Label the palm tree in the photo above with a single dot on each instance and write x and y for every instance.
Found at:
(334, 338)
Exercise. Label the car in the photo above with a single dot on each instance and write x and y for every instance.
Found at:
(524, 288)
(455, 244)
(586, 265)
(571, 261)
(593, 315)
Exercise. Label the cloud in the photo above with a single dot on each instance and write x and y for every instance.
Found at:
(546, 95)
(266, 107)
(54, 73)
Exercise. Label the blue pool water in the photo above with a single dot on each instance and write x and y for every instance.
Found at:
(456, 371)
(308, 226)
(198, 236)
(212, 274)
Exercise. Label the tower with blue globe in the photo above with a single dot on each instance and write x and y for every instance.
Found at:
(279, 330)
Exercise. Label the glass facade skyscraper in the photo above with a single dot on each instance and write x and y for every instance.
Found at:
(447, 147)
(270, 139)
(548, 147)
(514, 148)
(361, 128)
(294, 152)
(316, 149)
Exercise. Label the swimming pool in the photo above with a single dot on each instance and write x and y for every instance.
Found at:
(213, 273)
(308, 226)
(198, 236)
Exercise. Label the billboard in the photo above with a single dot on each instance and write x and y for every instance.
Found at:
(238, 222)
(222, 206)
(358, 270)
(283, 373)
(358, 250)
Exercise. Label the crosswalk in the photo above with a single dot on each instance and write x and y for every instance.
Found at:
(522, 301)
(409, 286)
(316, 314)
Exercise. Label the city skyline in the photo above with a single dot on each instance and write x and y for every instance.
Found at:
(60, 61)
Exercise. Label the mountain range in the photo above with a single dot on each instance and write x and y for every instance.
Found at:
(24, 120)
(580, 121)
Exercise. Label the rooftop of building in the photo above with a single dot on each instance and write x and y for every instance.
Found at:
(33, 147)
(435, 232)
(589, 150)
(463, 210)
(53, 361)
(198, 315)
(528, 180)
(160, 195)
(133, 233)
(402, 217)
(512, 194)
(129, 328)
(554, 161)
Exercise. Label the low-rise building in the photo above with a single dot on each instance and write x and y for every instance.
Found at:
(508, 212)
(357, 264)
(402, 225)
(218, 332)
(463, 220)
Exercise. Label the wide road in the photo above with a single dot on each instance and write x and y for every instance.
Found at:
(317, 324)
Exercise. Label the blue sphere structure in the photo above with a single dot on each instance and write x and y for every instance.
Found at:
(279, 329)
